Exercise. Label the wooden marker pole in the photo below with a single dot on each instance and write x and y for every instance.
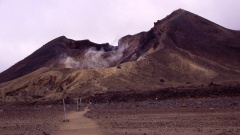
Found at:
(81, 102)
(77, 104)
(64, 109)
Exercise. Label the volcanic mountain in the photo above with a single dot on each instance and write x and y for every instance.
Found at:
(180, 50)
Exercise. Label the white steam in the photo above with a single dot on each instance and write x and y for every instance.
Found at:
(68, 62)
(92, 59)
(101, 59)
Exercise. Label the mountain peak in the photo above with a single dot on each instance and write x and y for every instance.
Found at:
(179, 13)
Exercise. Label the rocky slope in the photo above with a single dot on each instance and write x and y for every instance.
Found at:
(180, 50)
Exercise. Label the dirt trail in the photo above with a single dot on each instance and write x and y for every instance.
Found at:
(78, 124)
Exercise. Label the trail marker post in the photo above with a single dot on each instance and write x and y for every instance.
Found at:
(81, 102)
(77, 104)
(64, 108)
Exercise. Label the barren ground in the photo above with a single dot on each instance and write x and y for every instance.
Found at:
(218, 116)
(182, 117)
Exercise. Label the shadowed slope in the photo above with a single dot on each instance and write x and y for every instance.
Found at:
(58, 53)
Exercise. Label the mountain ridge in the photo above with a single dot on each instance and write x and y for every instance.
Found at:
(181, 50)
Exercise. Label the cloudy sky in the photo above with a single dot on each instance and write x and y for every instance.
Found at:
(26, 25)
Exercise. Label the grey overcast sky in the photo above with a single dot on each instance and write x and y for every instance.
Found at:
(26, 25)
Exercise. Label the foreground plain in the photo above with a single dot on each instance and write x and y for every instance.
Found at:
(211, 116)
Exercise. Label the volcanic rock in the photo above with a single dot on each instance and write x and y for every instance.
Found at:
(182, 47)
